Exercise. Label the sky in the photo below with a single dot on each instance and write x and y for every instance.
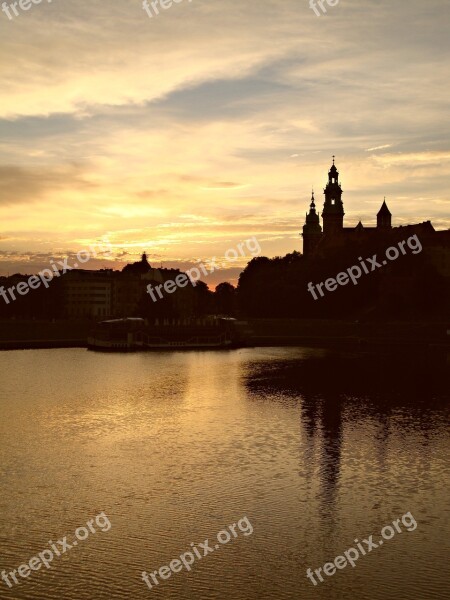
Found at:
(189, 132)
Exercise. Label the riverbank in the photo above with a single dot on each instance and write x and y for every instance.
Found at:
(309, 332)
(22, 335)
(15, 335)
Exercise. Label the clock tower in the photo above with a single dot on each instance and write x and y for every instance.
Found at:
(333, 209)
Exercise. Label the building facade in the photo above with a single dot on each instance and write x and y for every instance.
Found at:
(118, 294)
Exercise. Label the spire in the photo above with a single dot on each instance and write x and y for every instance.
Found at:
(312, 230)
(384, 210)
(384, 216)
(312, 216)
(333, 174)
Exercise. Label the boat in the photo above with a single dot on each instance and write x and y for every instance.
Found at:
(133, 334)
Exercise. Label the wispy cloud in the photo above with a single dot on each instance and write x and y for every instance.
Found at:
(378, 148)
(211, 124)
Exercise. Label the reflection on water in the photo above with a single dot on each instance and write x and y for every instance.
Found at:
(316, 449)
(400, 395)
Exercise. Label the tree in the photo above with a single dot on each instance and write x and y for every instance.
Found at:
(226, 299)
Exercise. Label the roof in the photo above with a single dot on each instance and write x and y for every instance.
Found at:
(384, 210)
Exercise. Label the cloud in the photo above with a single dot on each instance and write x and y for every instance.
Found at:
(27, 184)
(413, 159)
(379, 148)
(190, 132)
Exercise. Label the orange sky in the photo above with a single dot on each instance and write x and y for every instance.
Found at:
(188, 133)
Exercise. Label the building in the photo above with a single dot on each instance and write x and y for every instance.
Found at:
(119, 294)
(332, 234)
(87, 294)
(312, 231)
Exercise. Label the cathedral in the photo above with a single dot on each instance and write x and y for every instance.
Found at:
(333, 233)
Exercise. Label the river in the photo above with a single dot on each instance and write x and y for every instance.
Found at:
(314, 449)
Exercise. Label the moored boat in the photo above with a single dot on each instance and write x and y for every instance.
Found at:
(132, 334)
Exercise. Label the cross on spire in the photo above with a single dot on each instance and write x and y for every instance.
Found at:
(333, 158)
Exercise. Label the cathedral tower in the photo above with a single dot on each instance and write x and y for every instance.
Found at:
(384, 217)
(333, 209)
(312, 231)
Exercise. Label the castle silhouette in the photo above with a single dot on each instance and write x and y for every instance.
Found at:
(334, 234)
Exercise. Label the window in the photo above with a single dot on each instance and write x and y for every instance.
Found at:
(333, 201)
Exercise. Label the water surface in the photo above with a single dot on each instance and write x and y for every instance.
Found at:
(315, 449)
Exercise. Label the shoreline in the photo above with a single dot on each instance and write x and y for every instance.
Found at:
(345, 335)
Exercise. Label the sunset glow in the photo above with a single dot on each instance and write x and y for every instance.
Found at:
(185, 134)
